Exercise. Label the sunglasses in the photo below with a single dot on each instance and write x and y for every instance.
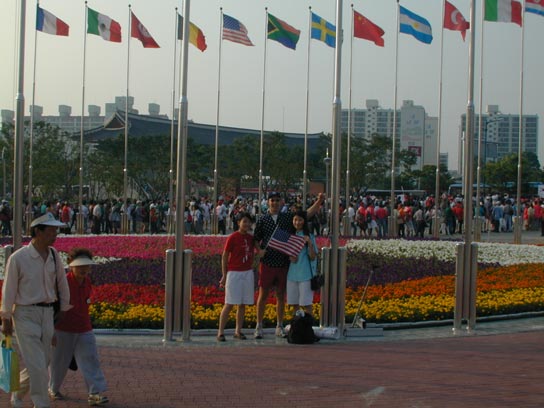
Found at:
(277, 200)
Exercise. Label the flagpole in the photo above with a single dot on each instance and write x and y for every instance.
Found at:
(182, 141)
(80, 217)
(338, 306)
(124, 223)
(262, 114)
(305, 171)
(477, 226)
(216, 162)
(31, 133)
(350, 130)
(519, 224)
(170, 217)
(19, 136)
(393, 224)
(436, 226)
(465, 303)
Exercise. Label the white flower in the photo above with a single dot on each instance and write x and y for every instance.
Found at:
(503, 254)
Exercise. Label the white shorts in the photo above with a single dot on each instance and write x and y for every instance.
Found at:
(299, 293)
(240, 288)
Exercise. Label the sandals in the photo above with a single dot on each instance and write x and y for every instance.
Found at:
(239, 336)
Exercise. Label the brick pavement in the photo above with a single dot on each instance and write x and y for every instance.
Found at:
(493, 370)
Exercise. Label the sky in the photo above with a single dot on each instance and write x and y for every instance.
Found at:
(59, 64)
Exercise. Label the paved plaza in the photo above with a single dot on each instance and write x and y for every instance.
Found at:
(500, 364)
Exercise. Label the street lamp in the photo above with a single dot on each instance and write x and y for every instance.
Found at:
(327, 160)
(477, 225)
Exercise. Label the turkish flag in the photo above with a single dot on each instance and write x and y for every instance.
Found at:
(454, 20)
(367, 30)
(140, 32)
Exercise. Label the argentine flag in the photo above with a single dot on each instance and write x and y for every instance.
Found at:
(415, 25)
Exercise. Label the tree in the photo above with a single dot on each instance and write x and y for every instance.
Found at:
(502, 175)
(148, 164)
(427, 178)
(371, 163)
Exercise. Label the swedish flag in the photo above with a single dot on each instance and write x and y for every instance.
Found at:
(324, 31)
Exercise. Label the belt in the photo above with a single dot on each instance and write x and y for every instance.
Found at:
(43, 304)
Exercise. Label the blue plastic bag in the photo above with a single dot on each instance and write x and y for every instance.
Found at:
(9, 367)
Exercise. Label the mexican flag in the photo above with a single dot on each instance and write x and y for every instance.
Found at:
(102, 25)
(503, 11)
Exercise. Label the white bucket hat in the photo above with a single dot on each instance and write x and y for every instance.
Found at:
(47, 219)
(82, 261)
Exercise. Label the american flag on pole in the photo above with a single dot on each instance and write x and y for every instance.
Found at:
(286, 243)
(235, 31)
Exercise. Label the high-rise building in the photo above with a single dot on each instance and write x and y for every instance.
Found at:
(500, 134)
(415, 130)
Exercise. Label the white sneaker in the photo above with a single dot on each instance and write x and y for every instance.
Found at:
(258, 333)
(97, 399)
(280, 332)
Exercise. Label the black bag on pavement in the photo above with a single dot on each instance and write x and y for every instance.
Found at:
(301, 331)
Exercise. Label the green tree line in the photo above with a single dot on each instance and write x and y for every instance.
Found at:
(56, 164)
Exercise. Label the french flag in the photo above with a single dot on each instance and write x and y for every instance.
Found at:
(48, 23)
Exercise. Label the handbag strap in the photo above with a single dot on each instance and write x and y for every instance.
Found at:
(56, 280)
(310, 261)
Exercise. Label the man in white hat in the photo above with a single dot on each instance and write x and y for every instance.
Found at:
(34, 280)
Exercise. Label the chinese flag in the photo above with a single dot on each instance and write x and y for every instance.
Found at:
(367, 30)
(454, 20)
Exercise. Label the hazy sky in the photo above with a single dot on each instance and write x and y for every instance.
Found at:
(60, 62)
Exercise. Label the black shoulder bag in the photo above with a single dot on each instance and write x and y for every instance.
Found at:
(56, 304)
(317, 280)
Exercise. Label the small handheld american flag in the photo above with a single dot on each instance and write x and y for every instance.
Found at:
(286, 243)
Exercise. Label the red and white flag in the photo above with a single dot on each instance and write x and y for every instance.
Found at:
(286, 243)
(454, 20)
(140, 32)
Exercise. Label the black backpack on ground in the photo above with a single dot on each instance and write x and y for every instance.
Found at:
(301, 331)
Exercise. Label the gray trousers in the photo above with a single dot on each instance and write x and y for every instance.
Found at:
(34, 330)
(83, 347)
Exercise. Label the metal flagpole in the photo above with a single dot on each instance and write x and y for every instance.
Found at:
(180, 282)
(31, 135)
(436, 226)
(393, 221)
(305, 171)
(467, 266)
(336, 271)
(80, 215)
(477, 225)
(124, 222)
(170, 217)
(262, 114)
(19, 136)
(350, 129)
(216, 161)
(519, 223)
(182, 136)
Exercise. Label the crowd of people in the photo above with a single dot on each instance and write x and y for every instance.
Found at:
(367, 215)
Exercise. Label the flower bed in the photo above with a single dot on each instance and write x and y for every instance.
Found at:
(412, 280)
